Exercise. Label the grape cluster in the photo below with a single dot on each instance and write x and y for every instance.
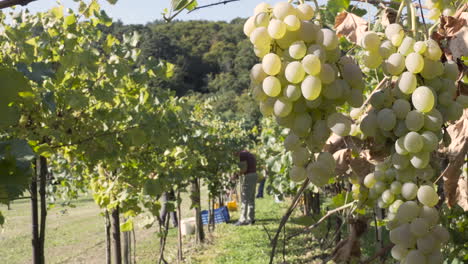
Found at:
(301, 80)
(411, 114)
(440, 7)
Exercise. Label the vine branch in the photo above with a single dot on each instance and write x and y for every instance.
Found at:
(213, 4)
(10, 3)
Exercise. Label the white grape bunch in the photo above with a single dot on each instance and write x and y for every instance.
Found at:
(301, 80)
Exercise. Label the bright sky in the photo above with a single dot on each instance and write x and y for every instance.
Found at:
(143, 11)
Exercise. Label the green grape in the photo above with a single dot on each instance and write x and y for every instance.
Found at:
(401, 108)
(426, 173)
(327, 161)
(415, 257)
(356, 98)
(435, 257)
(409, 191)
(370, 41)
(283, 9)
(414, 120)
(423, 99)
(432, 69)
(428, 196)
(426, 244)
(260, 38)
(286, 121)
(261, 52)
(271, 64)
(352, 74)
(282, 107)
(317, 174)
(266, 107)
(308, 31)
(369, 180)
(395, 188)
(414, 62)
(386, 49)
(271, 86)
(249, 26)
(393, 208)
(257, 75)
(430, 214)
(311, 87)
(258, 93)
(292, 92)
(400, 162)
(327, 74)
(395, 64)
(330, 40)
(395, 34)
(388, 197)
(407, 83)
(379, 187)
(400, 146)
(399, 252)
(314, 103)
(332, 91)
(431, 141)
(433, 120)
(311, 64)
(386, 119)
(405, 175)
(455, 111)
(445, 99)
(435, 83)
(320, 131)
(369, 125)
(292, 23)
(300, 156)
(420, 160)
(371, 59)
(297, 50)
(413, 142)
(294, 72)
(305, 12)
(302, 124)
(291, 141)
(339, 124)
(297, 174)
(262, 19)
(288, 38)
(441, 234)
(420, 47)
(318, 51)
(333, 55)
(433, 50)
(262, 7)
(406, 46)
(463, 100)
(451, 71)
(402, 234)
(276, 29)
(299, 106)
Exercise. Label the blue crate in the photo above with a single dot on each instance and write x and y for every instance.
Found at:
(221, 215)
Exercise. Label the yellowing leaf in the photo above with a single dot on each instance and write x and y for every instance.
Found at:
(351, 26)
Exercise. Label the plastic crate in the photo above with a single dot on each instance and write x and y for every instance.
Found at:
(221, 215)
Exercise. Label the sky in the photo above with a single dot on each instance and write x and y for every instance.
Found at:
(143, 11)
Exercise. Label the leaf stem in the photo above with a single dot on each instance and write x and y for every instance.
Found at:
(400, 10)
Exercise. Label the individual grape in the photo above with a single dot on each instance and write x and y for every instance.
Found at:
(283, 9)
(386, 49)
(318, 51)
(311, 64)
(423, 99)
(262, 7)
(388, 197)
(455, 112)
(414, 120)
(288, 38)
(299, 106)
(433, 50)
(327, 74)
(413, 142)
(369, 125)
(435, 258)
(276, 29)
(300, 156)
(292, 23)
(330, 40)
(271, 86)
(451, 71)
(259, 37)
(393, 208)
(291, 141)
(369, 180)
(317, 174)
(430, 214)
(402, 235)
(249, 26)
(407, 83)
(415, 257)
(258, 93)
(266, 107)
(311, 87)
(386, 119)
(261, 52)
(257, 75)
(432, 69)
(314, 103)
(419, 227)
(339, 124)
(326, 159)
(294, 72)
(352, 74)
(380, 187)
(302, 124)
(333, 55)
(282, 107)
(406, 46)
(271, 64)
(320, 131)
(433, 120)
(399, 252)
(297, 50)
(409, 190)
(262, 19)
(441, 234)
(462, 100)
(371, 59)
(407, 212)
(400, 161)
(401, 108)
(332, 91)
(400, 146)
(431, 141)
(356, 98)
(445, 99)
(414, 62)
(428, 196)
(395, 64)
(370, 41)
(426, 173)
(405, 175)
(308, 31)
(420, 160)
(286, 121)
(305, 12)
(395, 187)
(426, 244)
(292, 92)
(420, 47)
(298, 174)
(395, 34)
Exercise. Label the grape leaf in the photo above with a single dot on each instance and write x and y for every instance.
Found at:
(127, 226)
(350, 26)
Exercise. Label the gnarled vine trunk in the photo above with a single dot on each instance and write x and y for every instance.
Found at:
(116, 235)
(195, 197)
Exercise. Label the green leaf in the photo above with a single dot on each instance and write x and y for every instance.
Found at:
(187, 4)
(153, 187)
(337, 6)
(112, 2)
(305, 220)
(127, 226)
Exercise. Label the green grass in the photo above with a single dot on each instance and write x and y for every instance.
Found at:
(76, 235)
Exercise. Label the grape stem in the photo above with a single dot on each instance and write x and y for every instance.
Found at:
(317, 9)
(424, 21)
(400, 10)
(377, 88)
(412, 13)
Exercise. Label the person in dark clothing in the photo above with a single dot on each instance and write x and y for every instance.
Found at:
(248, 168)
(167, 197)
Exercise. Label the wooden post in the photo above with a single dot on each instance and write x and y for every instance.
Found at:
(43, 171)
(195, 196)
(108, 237)
(35, 220)
(179, 230)
(116, 235)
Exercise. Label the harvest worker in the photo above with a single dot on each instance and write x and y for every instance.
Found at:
(248, 168)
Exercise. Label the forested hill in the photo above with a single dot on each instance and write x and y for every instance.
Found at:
(210, 58)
